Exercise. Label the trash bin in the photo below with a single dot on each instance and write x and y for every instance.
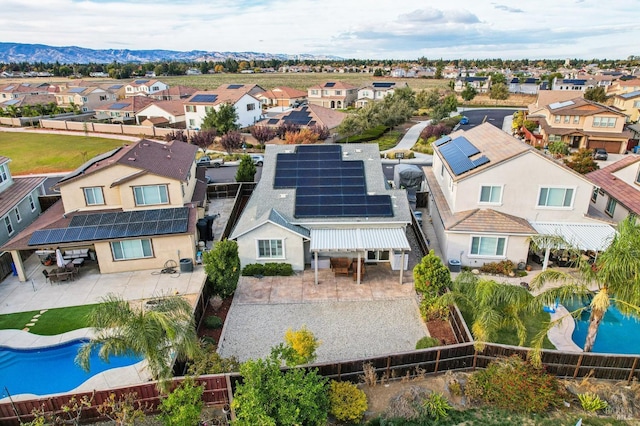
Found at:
(636, 149)
(186, 265)
(454, 265)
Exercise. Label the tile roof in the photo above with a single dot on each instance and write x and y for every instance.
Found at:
(175, 92)
(318, 115)
(132, 104)
(283, 92)
(175, 107)
(222, 96)
(336, 85)
(626, 193)
(21, 187)
(548, 97)
(583, 107)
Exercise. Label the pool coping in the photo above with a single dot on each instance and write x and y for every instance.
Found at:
(560, 335)
(113, 378)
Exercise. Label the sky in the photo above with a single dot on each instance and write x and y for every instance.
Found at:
(363, 29)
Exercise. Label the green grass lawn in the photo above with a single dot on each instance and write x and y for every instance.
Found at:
(53, 321)
(48, 153)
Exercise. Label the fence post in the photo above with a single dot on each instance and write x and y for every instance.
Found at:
(388, 367)
(475, 358)
(633, 370)
(575, 372)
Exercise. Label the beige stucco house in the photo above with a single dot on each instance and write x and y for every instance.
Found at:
(628, 104)
(333, 94)
(616, 192)
(489, 193)
(246, 105)
(86, 98)
(133, 208)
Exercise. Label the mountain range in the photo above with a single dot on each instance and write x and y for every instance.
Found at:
(20, 52)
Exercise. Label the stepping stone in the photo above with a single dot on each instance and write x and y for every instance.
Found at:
(43, 311)
(34, 319)
(37, 315)
(31, 324)
(25, 329)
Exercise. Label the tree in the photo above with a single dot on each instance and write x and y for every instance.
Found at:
(301, 346)
(286, 127)
(304, 136)
(183, 405)
(222, 119)
(203, 139)
(445, 107)
(582, 161)
(263, 134)
(322, 131)
(208, 361)
(499, 91)
(222, 265)
(468, 93)
(596, 94)
(518, 121)
(246, 170)
(612, 279)
(232, 140)
(349, 127)
(157, 334)
(431, 275)
(428, 98)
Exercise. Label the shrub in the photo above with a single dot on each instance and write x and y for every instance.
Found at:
(346, 402)
(213, 321)
(436, 406)
(591, 402)
(516, 385)
(427, 342)
(301, 345)
(431, 277)
(278, 269)
(253, 269)
(183, 405)
(209, 340)
(504, 267)
(432, 308)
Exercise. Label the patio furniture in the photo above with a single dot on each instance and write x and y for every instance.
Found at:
(78, 261)
(340, 265)
(46, 276)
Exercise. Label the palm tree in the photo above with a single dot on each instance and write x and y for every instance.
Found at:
(158, 334)
(612, 279)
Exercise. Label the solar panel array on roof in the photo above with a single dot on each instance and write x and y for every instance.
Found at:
(116, 86)
(326, 185)
(630, 95)
(300, 117)
(273, 121)
(557, 105)
(442, 140)
(141, 81)
(575, 82)
(457, 153)
(382, 85)
(100, 226)
(204, 98)
(77, 89)
(329, 84)
(235, 86)
(119, 105)
(12, 102)
(9, 88)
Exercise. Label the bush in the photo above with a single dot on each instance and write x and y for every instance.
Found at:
(432, 308)
(213, 321)
(516, 385)
(209, 340)
(504, 267)
(268, 269)
(436, 406)
(253, 269)
(427, 342)
(346, 402)
(591, 402)
(183, 405)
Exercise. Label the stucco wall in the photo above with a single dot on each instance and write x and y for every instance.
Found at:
(293, 246)
(517, 249)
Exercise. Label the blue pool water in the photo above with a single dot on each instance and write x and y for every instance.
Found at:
(43, 371)
(616, 333)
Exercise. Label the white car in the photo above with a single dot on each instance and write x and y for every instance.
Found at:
(258, 159)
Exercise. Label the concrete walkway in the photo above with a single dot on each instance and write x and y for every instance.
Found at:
(407, 142)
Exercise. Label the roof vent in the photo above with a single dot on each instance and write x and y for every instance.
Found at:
(132, 158)
(168, 156)
(283, 195)
(358, 150)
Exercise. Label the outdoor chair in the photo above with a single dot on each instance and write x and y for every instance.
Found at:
(46, 276)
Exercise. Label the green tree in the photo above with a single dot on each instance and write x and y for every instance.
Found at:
(222, 119)
(613, 279)
(157, 334)
(596, 94)
(431, 275)
(208, 361)
(350, 126)
(300, 346)
(582, 161)
(222, 265)
(246, 170)
(445, 107)
(183, 405)
(428, 98)
(268, 396)
(468, 93)
(499, 91)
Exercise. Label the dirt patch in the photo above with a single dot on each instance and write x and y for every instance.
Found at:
(442, 331)
(221, 312)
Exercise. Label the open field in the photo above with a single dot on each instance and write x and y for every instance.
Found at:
(50, 153)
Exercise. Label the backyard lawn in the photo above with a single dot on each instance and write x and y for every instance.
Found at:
(48, 153)
(51, 322)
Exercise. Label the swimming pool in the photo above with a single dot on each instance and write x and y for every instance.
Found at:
(51, 369)
(616, 333)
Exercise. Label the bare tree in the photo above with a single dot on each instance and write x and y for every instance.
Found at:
(232, 140)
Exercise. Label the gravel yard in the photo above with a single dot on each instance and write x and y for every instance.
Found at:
(347, 330)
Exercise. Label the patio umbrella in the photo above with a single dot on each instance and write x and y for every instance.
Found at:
(59, 259)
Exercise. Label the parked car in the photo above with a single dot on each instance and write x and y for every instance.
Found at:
(464, 120)
(258, 159)
(207, 161)
(600, 154)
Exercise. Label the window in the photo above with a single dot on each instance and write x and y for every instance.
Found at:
(442, 170)
(555, 138)
(338, 92)
(103, 98)
(566, 119)
(604, 121)
(93, 196)
(576, 119)
(192, 122)
(32, 203)
(191, 108)
(251, 107)
(150, 194)
(488, 246)
(314, 92)
(556, 118)
(3, 173)
(18, 217)
(8, 224)
(555, 197)
(611, 206)
(594, 194)
(636, 104)
(325, 92)
(84, 99)
(131, 249)
(491, 194)
(272, 249)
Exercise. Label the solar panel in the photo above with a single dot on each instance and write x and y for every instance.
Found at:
(235, 86)
(164, 226)
(204, 98)
(102, 232)
(457, 155)
(178, 226)
(78, 220)
(273, 121)
(480, 161)
(119, 105)
(72, 234)
(92, 219)
(116, 86)
(119, 230)
(56, 235)
(77, 89)
(383, 85)
(108, 218)
(38, 237)
(329, 84)
(442, 140)
(141, 81)
(137, 216)
(165, 214)
(148, 228)
(151, 215)
(88, 233)
(465, 146)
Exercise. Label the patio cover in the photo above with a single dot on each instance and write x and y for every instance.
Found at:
(359, 239)
(584, 236)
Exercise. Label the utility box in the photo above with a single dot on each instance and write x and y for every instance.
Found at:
(454, 265)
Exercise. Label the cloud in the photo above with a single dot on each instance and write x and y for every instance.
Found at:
(435, 16)
(508, 9)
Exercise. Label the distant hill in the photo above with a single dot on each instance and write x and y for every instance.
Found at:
(20, 52)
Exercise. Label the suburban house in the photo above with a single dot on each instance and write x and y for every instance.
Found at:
(527, 86)
(144, 87)
(481, 84)
(489, 193)
(85, 98)
(20, 90)
(162, 114)
(124, 110)
(132, 208)
(174, 93)
(616, 194)
(252, 89)
(200, 103)
(282, 96)
(571, 84)
(624, 86)
(27, 101)
(376, 91)
(628, 104)
(581, 123)
(307, 116)
(19, 204)
(318, 202)
(334, 95)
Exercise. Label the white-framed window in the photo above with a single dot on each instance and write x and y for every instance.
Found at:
(604, 121)
(131, 249)
(488, 246)
(325, 92)
(8, 224)
(611, 206)
(576, 119)
(555, 138)
(636, 104)
(314, 92)
(556, 118)
(555, 197)
(251, 107)
(32, 203)
(207, 109)
(191, 108)
(270, 249)
(491, 194)
(338, 92)
(192, 122)
(594, 194)
(150, 195)
(18, 216)
(93, 196)
(4, 176)
(567, 118)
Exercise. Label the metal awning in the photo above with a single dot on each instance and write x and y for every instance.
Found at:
(583, 236)
(359, 239)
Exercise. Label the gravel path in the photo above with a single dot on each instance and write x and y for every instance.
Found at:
(347, 330)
